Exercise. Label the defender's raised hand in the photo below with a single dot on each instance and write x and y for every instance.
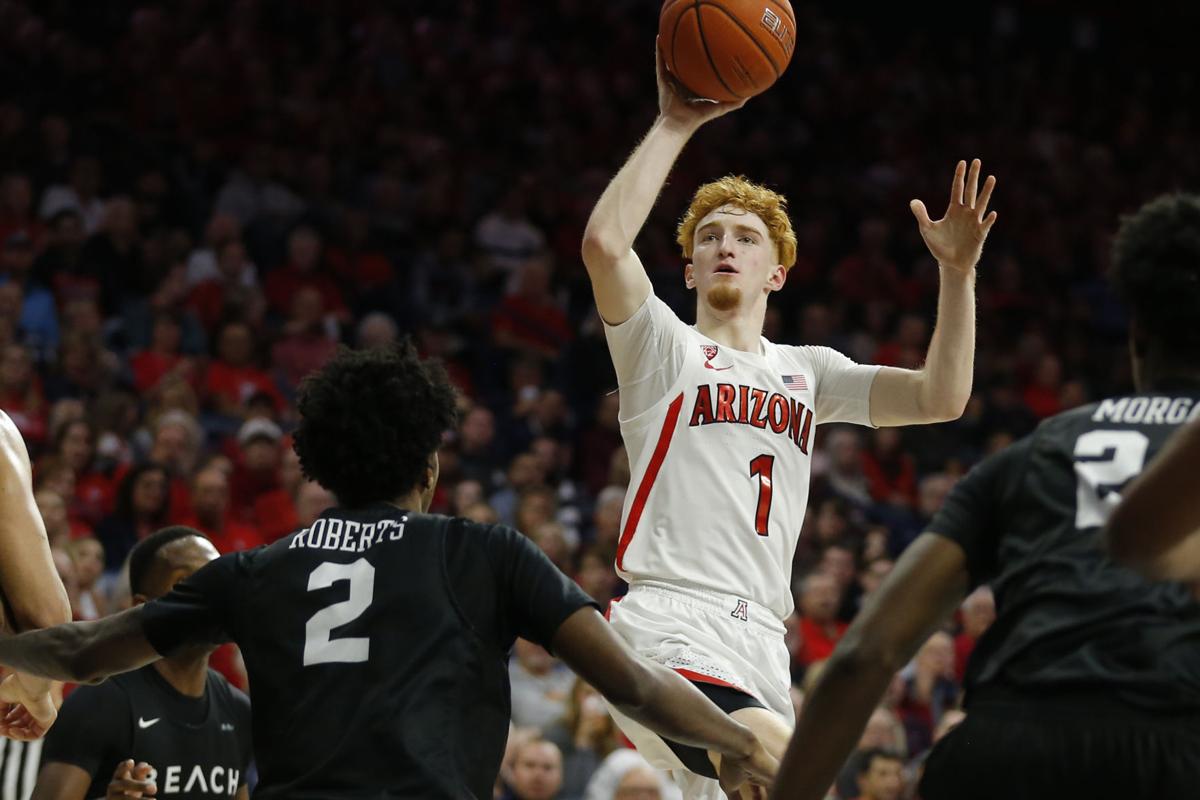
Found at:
(956, 240)
(677, 105)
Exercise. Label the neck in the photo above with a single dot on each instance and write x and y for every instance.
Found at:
(1159, 372)
(187, 673)
(739, 328)
(412, 501)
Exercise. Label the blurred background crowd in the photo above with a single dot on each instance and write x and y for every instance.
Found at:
(200, 201)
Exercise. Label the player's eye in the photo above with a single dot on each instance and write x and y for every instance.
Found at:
(709, 237)
(749, 239)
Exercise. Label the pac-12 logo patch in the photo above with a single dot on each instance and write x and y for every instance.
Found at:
(710, 351)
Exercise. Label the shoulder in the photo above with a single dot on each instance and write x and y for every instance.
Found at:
(227, 694)
(104, 698)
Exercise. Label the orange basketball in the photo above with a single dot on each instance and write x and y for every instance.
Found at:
(727, 49)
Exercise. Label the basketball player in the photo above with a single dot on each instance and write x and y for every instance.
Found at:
(174, 725)
(719, 422)
(1156, 529)
(376, 638)
(31, 592)
(1088, 682)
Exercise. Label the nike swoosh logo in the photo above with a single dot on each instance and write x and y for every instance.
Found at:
(146, 723)
(716, 369)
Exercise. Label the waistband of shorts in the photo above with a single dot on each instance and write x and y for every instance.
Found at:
(723, 605)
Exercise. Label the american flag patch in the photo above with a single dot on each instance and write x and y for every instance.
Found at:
(795, 383)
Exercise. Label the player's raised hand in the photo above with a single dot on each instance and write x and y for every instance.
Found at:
(675, 103)
(132, 780)
(28, 707)
(956, 240)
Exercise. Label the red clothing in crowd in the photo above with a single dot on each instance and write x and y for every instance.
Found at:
(1043, 402)
(29, 415)
(282, 284)
(276, 515)
(149, 368)
(232, 537)
(540, 325)
(817, 641)
(887, 478)
(207, 302)
(365, 270)
(236, 385)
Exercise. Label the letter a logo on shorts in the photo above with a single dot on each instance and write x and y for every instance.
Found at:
(741, 612)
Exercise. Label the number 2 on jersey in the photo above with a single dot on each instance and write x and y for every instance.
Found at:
(1104, 460)
(762, 466)
(319, 646)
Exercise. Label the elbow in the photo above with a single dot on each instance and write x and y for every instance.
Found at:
(945, 407)
(43, 614)
(635, 692)
(599, 250)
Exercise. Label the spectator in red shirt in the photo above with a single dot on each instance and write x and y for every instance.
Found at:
(211, 513)
(930, 690)
(141, 509)
(1043, 395)
(891, 472)
(819, 628)
(529, 318)
(228, 293)
(309, 338)
(75, 447)
(232, 377)
(256, 466)
(305, 267)
(978, 613)
(176, 446)
(163, 356)
(21, 394)
(16, 209)
(357, 263)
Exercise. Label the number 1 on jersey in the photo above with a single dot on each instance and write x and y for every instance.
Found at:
(762, 466)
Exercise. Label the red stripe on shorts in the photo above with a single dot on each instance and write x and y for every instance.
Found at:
(696, 677)
(643, 492)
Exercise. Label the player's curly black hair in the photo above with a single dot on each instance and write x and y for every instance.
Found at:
(370, 420)
(1156, 273)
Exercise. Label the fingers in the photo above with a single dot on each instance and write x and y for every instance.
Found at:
(972, 187)
(988, 222)
(956, 185)
(985, 196)
(920, 212)
(123, 770)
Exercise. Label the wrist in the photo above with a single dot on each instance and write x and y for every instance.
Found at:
(675, 126)
(955, 274)
(744, 744)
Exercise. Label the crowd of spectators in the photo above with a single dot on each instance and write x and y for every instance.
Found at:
(200, 201)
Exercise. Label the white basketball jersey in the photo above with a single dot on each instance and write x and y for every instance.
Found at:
(720, 445)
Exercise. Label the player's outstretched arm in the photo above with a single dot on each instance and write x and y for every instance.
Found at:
(660, 699)
(927, 584)
(81, 652)
(619, 281)
(940, 390)
(31, 587)
(1156, 528)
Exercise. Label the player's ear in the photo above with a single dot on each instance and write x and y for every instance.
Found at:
(689, 276)
(139, 599)
(777, 277)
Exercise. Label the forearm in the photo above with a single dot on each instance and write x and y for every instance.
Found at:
(50, 653)
(949, 368)
(80, 652)
(834, 715)
(623, 208)
(676, 710)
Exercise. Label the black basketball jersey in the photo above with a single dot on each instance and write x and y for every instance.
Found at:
(199, 747)
(1068, 618)
(376, 643)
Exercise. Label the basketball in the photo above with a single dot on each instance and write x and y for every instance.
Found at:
(727, 50)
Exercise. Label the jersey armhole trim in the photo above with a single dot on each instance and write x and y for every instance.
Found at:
(448, 588)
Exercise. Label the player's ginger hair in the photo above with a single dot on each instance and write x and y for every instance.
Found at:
(736, 190)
